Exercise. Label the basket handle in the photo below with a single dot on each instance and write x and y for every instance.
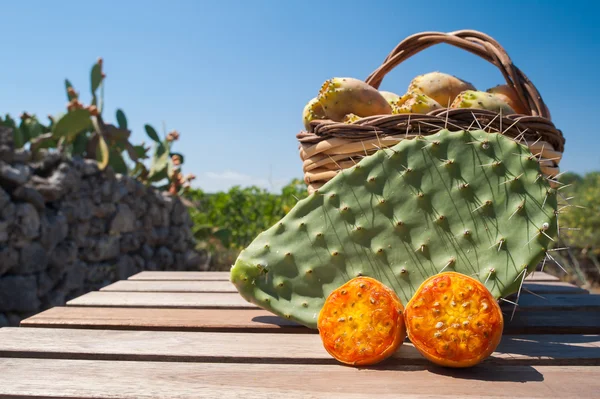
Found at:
(477, 43)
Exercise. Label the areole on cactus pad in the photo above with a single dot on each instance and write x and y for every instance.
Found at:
(467, 201)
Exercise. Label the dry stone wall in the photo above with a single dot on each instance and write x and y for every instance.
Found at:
(67, 228)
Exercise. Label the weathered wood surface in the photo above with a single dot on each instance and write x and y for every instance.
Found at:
(190, 335)
(232, 300)
(258, 320)
(259, 348)
(67, 378)
(224, 276)
(558, 287)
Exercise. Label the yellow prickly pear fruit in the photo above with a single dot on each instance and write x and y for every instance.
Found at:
(391, 98)
(509, 96)
(415, 103)
(442, 87)
(482, 100)
(342, 96)
(351, 118)
(312, 110)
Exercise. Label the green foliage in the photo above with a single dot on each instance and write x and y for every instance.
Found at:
(234, 218)
(583, 213)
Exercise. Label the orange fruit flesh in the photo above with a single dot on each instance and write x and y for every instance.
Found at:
(453, 320)
(361, 322)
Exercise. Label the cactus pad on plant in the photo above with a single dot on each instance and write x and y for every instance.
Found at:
(471, 202)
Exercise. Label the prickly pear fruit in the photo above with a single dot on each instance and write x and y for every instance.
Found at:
(453, 320)
(312, 110)
(342, 96)
(391, 98)
(361, 322)
(351, 118)
(509, 96)
(442, 87)
(415, 103)
(482, 100)
(471, 202)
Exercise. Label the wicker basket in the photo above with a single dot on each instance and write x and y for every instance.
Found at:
(331, 146)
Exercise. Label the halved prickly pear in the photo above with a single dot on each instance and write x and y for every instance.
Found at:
(361, 322)
(342, 96)
(453, 320)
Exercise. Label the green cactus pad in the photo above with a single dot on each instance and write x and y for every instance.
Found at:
(470, 202)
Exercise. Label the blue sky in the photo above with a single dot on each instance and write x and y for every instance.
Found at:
(233, 76)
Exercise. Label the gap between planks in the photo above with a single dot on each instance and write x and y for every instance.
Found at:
(136, 379)
(262, 348)
(261, 321)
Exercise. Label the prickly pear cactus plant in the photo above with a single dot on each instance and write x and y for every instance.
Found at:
(470, 202)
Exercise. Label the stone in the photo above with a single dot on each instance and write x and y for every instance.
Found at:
(54, 229)
(119, 192)
(79, 232)
(178, 213)
(139, 262)
(31, 195)
(4, 231)
(14, 319)
(105, 210)
(45, 162)
(101, 273)
(9, 212)
(100, 249)
(75, 276)
(27, 223)
(9, 258)
(126, 267)
(3, 321)
(131, 242)
(123, 221)
(4, 198)
(63, 254)
(98, 227)
(54, 298)
(13, 175)
(21, 155)
(158, 236)
(45, 283)
(19, 294)
(147, 252)
(33, 259)
(164, 257)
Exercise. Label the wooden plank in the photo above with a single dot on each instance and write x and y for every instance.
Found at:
(163, 300)
(235, 301)
(259, 348)
(184, 276)
(258, 320)
(170, 286)
(133, 379)
(549, 287)
(224, 276)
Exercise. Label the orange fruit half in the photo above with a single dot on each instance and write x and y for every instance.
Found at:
(453, 320)
(361, 322)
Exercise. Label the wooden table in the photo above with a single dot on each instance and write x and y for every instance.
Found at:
(190, 335)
